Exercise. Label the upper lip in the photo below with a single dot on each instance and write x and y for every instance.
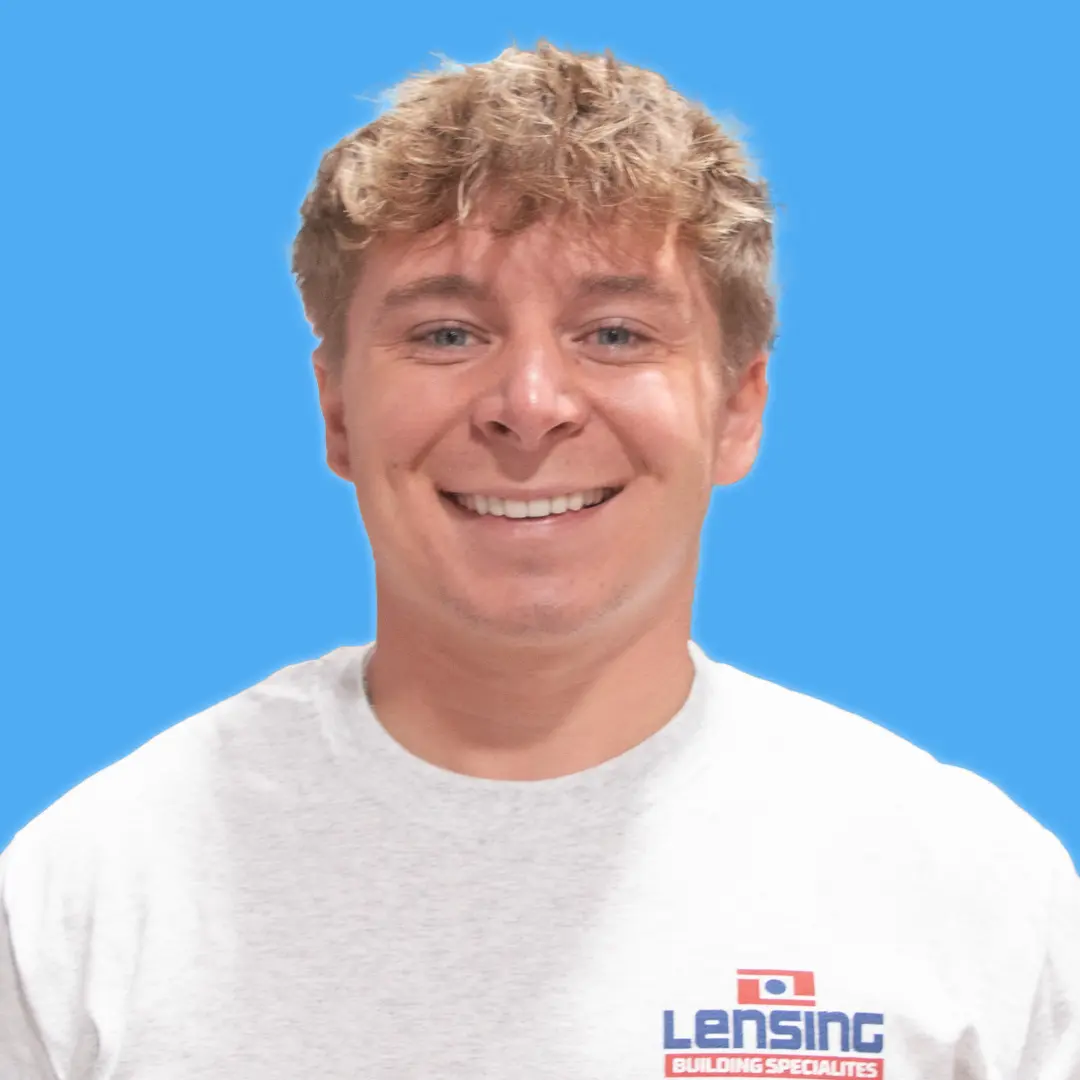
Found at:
(542, 493)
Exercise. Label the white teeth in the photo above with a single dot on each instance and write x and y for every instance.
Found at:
(534, 508)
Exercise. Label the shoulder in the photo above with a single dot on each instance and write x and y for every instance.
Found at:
(170, 781)
(119, 856)
(856, 775)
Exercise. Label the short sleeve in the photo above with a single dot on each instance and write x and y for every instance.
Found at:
(22, 1053)
(1052, 1048)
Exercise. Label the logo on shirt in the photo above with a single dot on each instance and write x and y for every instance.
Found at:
(776, 1012)
(776, 987)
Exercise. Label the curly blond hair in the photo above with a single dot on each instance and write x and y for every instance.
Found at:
(535, 131)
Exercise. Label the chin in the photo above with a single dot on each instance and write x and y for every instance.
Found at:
(536, 618)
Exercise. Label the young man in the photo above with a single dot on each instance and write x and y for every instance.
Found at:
(533, 831)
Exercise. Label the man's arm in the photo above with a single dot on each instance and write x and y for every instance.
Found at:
(1052, 1049)
(22, 1052)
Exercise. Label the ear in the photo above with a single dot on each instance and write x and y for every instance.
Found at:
(332, 404)
(739, 436)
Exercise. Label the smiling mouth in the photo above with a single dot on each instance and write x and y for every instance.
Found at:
(494, 506)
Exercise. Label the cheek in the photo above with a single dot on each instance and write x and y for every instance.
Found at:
(664, 419)
(397, 421)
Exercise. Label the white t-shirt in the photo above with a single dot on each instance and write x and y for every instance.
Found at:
(275, 889)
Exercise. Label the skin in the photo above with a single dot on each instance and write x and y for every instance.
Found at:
(524, 650)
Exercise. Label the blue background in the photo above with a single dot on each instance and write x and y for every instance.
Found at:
(906, 545)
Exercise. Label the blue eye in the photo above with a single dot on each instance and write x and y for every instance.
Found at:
(432, 336)
(629, 337)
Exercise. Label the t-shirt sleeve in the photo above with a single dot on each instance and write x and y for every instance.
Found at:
(1052, 1049)
(22, 1054)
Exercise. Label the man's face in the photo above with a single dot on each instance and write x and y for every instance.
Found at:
(529, 377)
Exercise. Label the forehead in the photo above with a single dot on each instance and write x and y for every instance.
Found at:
(552, 256)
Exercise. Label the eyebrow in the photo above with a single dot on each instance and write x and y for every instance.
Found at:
(449, 285)
(625, 285)
(458, 286)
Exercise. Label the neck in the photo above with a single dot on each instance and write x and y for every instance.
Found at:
(511, 711)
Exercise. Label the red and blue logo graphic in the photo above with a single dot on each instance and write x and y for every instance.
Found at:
(777, 1011)
(776, 987)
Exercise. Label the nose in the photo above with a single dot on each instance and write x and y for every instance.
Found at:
(535, 397)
